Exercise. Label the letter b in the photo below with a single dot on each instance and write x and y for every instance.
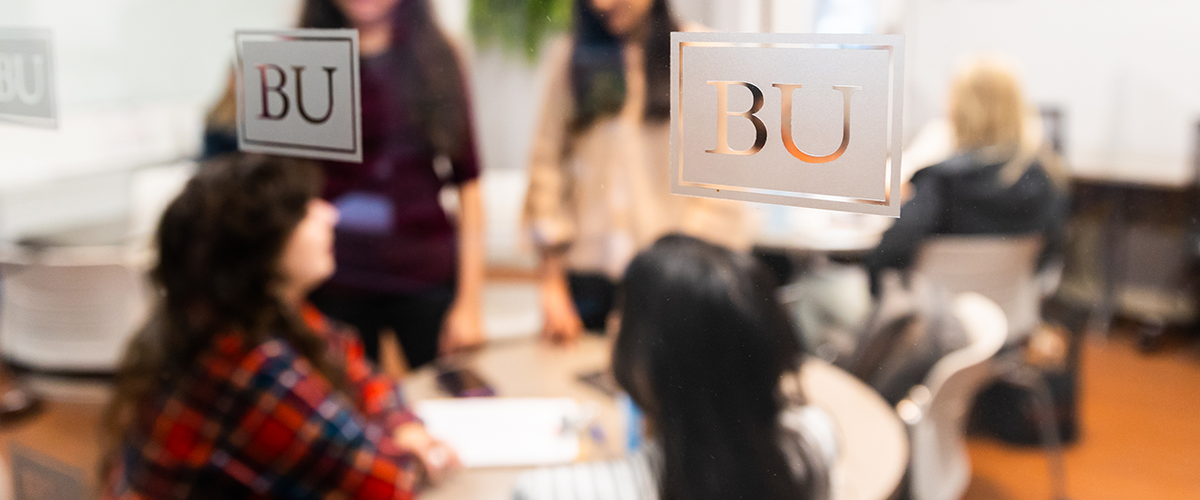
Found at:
(267, 90)
(723, 114)
(8, 78)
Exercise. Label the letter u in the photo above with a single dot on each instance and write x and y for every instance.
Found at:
(300, 95)
(8, 78)
(38, 64)
(786, 126)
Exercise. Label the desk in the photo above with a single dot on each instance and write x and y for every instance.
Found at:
(874, 448)
(817, 255)
(813, 230)
(1132, 254)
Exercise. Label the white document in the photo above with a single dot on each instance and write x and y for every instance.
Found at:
(505, 432)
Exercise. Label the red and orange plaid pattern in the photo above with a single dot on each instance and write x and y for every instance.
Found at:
(256, 422)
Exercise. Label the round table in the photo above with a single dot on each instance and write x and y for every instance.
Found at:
(873, 443)
(820, 231)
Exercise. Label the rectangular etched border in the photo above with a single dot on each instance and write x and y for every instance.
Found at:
(894, 44)
(299, 149)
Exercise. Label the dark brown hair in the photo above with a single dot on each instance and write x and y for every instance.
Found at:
(598, 65)
(426, 68)
(219, 245)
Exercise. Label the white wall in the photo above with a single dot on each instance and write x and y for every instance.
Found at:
(1126, 72)
(782, 16)
(125, 52)
(134, 78)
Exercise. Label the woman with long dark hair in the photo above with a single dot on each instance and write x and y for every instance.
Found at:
(402, 266)
(709, 354)
(236, 388)
(599, 187)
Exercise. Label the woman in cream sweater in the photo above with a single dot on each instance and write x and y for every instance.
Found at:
(599, 187)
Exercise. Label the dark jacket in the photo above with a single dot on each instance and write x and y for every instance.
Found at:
(963, 196)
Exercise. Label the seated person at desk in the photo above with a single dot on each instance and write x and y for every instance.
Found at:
(708, 353)
(237, 388)
(997, 183)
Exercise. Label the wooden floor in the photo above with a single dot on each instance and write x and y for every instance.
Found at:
(1140, 432)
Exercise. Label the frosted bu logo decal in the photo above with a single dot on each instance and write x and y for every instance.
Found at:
(298, 93)
(27, 90)
(802, 120)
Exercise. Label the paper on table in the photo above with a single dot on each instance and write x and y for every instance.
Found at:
(504, 432)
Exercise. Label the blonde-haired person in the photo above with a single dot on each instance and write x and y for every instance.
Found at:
(1002, 179)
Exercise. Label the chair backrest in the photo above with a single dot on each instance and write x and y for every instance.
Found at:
(941, 469)
(1001, 268)
(72, 318)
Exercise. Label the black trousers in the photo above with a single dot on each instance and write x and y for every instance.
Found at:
(416, 318)
(594, 296)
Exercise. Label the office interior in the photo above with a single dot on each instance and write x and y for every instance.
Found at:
(1098, 402)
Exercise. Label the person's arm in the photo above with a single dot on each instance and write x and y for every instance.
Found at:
(547, 213)
(379, 398)
(463, 327)
(562, 322)
(919, 218)
(295, 435)
(220, 126)
(1057, 214)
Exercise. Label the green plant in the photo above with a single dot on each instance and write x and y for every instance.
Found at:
(518, 26)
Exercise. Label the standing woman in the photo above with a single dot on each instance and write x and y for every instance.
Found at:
(401, 264)
(599, 188)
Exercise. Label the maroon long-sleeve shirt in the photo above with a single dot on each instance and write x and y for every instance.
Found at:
(393, 236)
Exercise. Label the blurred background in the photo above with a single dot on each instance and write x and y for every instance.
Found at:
(1116, 84)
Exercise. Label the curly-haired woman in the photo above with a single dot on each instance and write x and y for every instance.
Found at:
(236, 387)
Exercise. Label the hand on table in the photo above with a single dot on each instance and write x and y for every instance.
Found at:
(562, 322)
(437, 458)
(462, 329)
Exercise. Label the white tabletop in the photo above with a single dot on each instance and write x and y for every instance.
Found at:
(820, 230)
(874, 448)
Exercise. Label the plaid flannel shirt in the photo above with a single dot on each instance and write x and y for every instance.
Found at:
(256, 422)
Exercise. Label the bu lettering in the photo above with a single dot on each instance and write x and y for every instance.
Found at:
(785, 127)
(13, 78)
(281, 76)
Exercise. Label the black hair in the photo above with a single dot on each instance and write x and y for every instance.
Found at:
(598, 65)
(702, 347)
(426, 69)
